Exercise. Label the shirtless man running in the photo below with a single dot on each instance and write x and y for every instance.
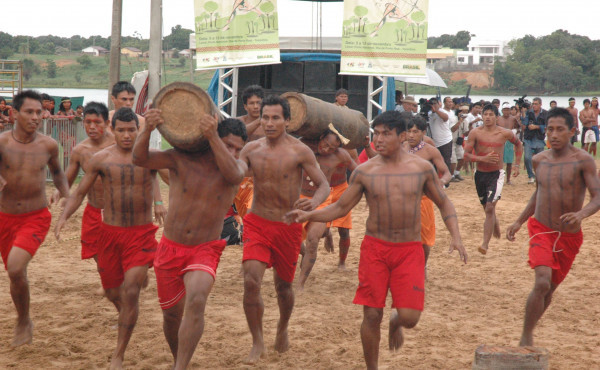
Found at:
(510, 123)
(563, 174)
(189, 252)
(575, 113)
(416, 130)
(276, 162)
(329, 156)
(589, 121)
(127, 244)
(488, 141)
(391, 253)
(24, 215)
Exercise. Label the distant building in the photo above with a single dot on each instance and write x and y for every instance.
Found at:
(435, 55)
(171, 53)
(131, 51)
(482, 52)
(95, 51)
(185, 53)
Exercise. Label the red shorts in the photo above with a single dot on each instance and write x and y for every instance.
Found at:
(91, 228)
(274, 243)
(546, 250)
(173, 260)
(122, 248)
(399, 267)
(26, 231)
(344, 222)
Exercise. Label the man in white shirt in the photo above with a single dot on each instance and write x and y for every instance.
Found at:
(440, 127)
(458, 130)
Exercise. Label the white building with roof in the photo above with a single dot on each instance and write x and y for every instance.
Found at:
(482, 52)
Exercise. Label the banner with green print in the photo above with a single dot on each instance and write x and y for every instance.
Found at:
(384, 37)
(236, 33)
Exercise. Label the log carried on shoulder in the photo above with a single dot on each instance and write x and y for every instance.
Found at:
(310, 118)
(182, 105)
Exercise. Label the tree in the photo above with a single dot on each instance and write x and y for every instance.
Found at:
(85, 61)
(5, 52)
(360, 12)
(78, 76)
(400, 29)
(267, 8)
(178, 39)
(418, 17)
(211, 7)
(29, 68)
(51, 68)
(182, 61)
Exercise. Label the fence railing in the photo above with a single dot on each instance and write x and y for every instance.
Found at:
(67, 132)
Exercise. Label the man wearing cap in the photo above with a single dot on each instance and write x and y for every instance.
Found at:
(510, 123)
(409, 104)
(575, 113)
(439, 123)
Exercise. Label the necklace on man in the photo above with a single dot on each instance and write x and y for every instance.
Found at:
(416, 148)
(12, 132)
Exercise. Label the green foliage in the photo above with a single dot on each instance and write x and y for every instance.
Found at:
(51, 68)
(78, 76)
(182, 61)
(178, 39)
(5, 52)
(458, 41)
(29, 69)
(559, 62)
(85, 61)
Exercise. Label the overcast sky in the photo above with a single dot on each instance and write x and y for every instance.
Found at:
(498, 19)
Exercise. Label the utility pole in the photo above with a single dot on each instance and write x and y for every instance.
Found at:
(114, 71)
(155, 54)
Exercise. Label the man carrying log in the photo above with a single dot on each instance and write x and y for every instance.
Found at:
(188, 254)
(329, 157)
(554, 214)
(276, 163)
(391, 253)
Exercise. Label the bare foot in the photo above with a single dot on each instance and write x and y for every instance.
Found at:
(396, 338)
(23, 334)
(256, 353)
(329, 242)
(282, 343)
(482, 250)
(342, 266)
(116, 364)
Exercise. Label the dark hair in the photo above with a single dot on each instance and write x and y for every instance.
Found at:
(434, 100)
(447, 97)
(553, 101)
(61, 107)
(125, 115)
(232, 126)
(587, 101)
(79, 106)
(252, 90)
(19, 99)
(46, 96)
(418, 121)
(393, 120)
(494, 101)
(476, 104)
(340, 92)
(538, 100)
(491, 107)
(277, 100)
(96, 108)
(2, 99)
(121, 86)
(561, 112)
(329, 132)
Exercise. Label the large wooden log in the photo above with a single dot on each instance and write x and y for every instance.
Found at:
(311, 116)
(509, 358)
(182, 105)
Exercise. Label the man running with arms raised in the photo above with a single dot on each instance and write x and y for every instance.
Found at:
(563, 174)
(391, 253)
(276, 162)
(488, 141)
(189, 252)
(127, 244)
(24, 215)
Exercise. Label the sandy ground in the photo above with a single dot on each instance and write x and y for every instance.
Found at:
(479, 79)
(466, 305)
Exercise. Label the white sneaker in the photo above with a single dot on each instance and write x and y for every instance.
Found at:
(531, 180)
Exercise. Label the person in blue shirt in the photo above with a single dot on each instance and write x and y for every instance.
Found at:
(533, 135)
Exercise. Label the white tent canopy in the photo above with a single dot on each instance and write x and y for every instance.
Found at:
(431, 78)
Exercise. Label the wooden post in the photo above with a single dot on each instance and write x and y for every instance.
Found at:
(508, 358)
(114, 71)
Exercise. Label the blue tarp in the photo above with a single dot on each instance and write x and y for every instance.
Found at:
(213, 87)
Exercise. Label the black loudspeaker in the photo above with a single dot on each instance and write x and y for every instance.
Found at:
(287, 76)
(320, 77)
(358, 84)
(249, 76)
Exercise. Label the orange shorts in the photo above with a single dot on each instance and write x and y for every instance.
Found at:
(346, 221)
(327, 202)
(91, 226)
(173, 260)
(275, 243)
(26, 231)
(427, 222)
(399, 267)
(122, 248)
(243, 198)
(555, 250)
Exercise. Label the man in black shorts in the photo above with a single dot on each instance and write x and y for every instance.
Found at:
(488, 141)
